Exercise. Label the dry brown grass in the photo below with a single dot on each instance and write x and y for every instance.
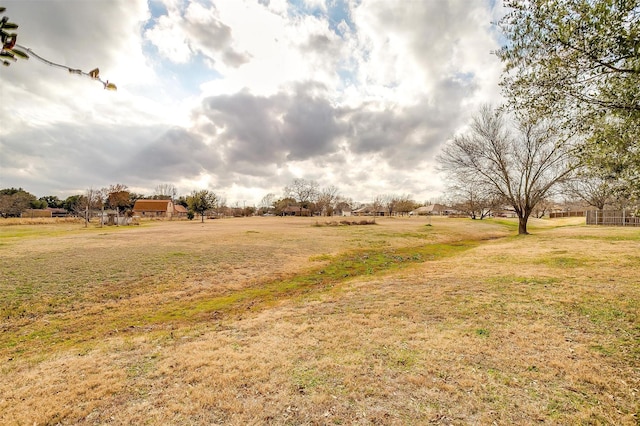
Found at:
(119, 325)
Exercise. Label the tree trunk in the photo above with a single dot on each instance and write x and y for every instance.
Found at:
(522, 224)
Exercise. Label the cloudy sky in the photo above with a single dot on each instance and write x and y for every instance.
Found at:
(243, 96)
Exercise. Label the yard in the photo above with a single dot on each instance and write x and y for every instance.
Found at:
(271, 320)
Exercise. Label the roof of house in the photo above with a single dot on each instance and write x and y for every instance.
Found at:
(368, 208)
(423, 209)
(151, 205)
(290, 209)
(179, 208)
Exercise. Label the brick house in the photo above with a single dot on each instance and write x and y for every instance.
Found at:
(154, 208)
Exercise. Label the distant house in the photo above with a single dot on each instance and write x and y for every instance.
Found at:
(505, 211)
(296, 211)
(434, 210)
(55, 212)
(421, 211)
(31, 213)
(369, 210)
(179, 210)
(154, 208)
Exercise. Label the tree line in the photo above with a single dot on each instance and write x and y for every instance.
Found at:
(302, 193)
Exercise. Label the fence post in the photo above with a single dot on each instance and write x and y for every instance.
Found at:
(623, 221)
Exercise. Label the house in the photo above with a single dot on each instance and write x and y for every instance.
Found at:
(369, 210)
(421, 211)
(505, 211)
(179, 210)
(56, 212)
(32, 213)
(296, 211)
(434, 210)
(154, 208)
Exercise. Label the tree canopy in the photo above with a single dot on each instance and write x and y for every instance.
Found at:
(580, 55)
(13, 201)
(579, 60)
(201, 201)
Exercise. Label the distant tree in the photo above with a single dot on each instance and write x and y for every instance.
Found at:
(118, 197)
(11, 50)
(38, 204)
(71, 203)
(220, 206)
(405, 204)
(520, 166)
(165, 191)
(85, 204)
(394, 203)
(281, 204)
(305, 192)
(595, 190)
(52, 201)
(182, 200)
(377, 205)
(266, 203)
(202, 201)
(612, 152)
(543, 208)
(326, 199)
(473, 199)
(13, 201)
(133, 197)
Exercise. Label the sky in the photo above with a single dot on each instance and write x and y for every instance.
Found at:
(243, 96)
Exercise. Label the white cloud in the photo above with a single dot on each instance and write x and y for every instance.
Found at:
(242, 96)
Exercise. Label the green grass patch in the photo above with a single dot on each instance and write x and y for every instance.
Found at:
(561, 261)
(307, 379)
(525, 281)
(340, 268)
(482, 332)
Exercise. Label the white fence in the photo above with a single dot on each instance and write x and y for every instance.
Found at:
(612, 218)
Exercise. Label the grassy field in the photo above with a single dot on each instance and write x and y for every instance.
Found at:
(294, 321)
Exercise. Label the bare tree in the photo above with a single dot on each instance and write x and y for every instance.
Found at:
(404, 204)
(473, 199)
(118, 197)
(166, 191)
(520, 165)
(305, 192)
(388, 202)
(376, 205)
(596, 189)
(543, 208)
(91, 200)
(267, 203)
(326, 200)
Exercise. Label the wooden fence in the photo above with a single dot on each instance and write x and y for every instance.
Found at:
(566, 214)
(612, 218)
